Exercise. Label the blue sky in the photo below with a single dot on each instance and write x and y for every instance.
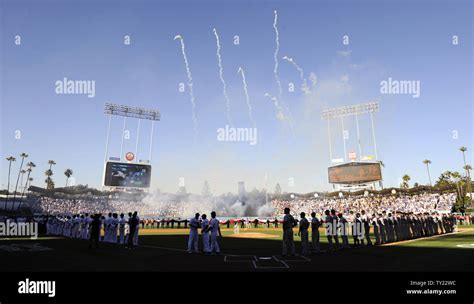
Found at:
(83, 40)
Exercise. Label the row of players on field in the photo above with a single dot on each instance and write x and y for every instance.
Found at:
(386, 228)
(115, 228)
(125, 231)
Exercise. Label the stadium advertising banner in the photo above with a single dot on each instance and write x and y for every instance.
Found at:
(355, 173)
(127, 175)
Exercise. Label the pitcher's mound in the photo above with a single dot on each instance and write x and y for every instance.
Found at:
(253, 235)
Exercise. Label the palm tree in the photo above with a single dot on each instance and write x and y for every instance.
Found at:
(10, 160)
(23, 156)
(463, 150)
(49, 173)
(427, 162)
(406, 178)
(459, 186)
(468, 169)
(30, 166)
(469, 187)
(68, 174)
(48, 180)
(51, 163)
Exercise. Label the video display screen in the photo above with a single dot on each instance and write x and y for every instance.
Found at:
(127, 175)
(355, 173)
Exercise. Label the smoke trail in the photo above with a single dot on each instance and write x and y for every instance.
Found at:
(190, 83)
(314, 79)
(279, 115)
(304, 83)
(221, 75)
(244, 81)
(275, 56)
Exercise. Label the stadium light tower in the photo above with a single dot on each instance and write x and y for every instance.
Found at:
(353, 110)
(132, 112)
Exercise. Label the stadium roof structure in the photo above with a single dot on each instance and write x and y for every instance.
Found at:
(140, 114)
(358, 109)
(127, 111)
(352, 110)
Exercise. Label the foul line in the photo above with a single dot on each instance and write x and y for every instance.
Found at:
(303, 259)
(422, 238)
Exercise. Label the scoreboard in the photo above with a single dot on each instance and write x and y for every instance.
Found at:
(119, 174)
(355, 173)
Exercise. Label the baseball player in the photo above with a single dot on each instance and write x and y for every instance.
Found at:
(205, 234)
(303, 233)
(315, 224)
(215, 232)
(122, 222)
(193, 234)
(288, 224)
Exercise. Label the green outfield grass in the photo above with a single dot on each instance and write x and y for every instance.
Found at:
(164, 250)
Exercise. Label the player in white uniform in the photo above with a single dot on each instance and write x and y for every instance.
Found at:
(343, 230)
(215, 232)
(85, 226)
(330, 229)
(288, 242)
(67, 227)
(366, 227)
(303, 232)
(193, 234)
(122, 222)
(205, 234)
(70, 226)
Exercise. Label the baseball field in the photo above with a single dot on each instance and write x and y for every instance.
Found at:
(249, 250)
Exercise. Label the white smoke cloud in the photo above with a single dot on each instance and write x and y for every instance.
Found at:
(168, 205)
(265, 210)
